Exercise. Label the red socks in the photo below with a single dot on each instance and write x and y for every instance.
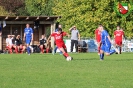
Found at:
(66, 54)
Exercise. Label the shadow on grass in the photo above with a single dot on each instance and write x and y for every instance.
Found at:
(123, 60)
(87, 59)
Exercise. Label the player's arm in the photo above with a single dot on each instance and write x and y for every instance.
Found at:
(122, 36)
(24, 36)
(109, 39)
(47, 42)
(66, 34)
(32, 36)
(114, 37)
(48, 39)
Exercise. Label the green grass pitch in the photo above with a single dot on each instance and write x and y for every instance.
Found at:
(53, 71)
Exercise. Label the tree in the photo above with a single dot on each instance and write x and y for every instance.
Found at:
(3, 11)
(39, 7)
(11, 5)
(87, 14)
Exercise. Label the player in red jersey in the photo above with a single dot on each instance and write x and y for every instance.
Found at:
(118, 37)
(58, 37)
(98, 39)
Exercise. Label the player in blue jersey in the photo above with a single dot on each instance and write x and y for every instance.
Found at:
(106, 44)
(28, 37)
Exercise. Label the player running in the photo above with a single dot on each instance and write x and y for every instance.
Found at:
(28, 37)
(105, 44)
(118, 37)
(98, 39)
(58, 37)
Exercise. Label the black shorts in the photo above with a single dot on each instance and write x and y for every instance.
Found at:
(43, 46)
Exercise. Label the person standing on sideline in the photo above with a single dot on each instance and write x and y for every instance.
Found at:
(28, 37)
(106, 44)
(118, 38)
(98, 39)
(75, 36)
(55, 49)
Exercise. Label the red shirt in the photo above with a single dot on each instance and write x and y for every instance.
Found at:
(98, 35)
(58, 37)
(118, 35)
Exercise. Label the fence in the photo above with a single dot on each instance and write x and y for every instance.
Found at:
(127, 45)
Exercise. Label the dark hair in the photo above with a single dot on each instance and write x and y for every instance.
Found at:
(59, 29)
(100, 25)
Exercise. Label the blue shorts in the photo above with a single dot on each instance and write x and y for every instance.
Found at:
(106, 48)
(28, 40)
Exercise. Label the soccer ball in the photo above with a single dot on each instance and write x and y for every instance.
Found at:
(69, 58)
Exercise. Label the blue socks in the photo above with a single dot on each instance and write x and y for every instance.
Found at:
(112, 51)
(28, 50)
(102, 56)
(55, 49)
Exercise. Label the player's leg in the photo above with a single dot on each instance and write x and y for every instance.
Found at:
(55, 49)
(28, 40)
(99, 47)
(63, 49)
(120, 49)
(102, 52)
(120, 46)
(28, 48)
(117, 48)
(109, 51)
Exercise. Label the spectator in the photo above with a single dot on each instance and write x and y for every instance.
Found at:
(43, 44)
(75, 36)
(20, 46)
(9, 43)
(28, 37)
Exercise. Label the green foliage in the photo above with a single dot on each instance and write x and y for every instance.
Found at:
(87, 14)
(11, 6)
(3, 11)
(39, 7)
